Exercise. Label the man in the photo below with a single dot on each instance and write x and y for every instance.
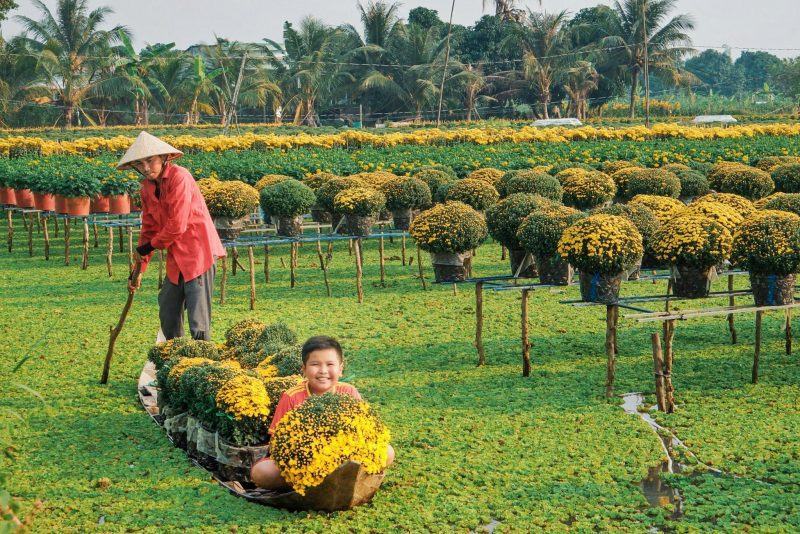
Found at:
(175, 218)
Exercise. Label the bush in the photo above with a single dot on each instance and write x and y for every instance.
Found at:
(743, 206)
(246, 410)
(439, 168)
(198, 348)
(693, 183)
(231, 199)
(288, 361)
(166, 351)
(315, 181)
(406, 192)
(783, 202)
(656, 182)
(288, 198)
(604, 244)
(536, 183)
(276, 334)
(739, 179)
(664, 208)
(244, 334)
(362, 201)
(478, 194)
(487, 174)
(610, 167)
(270, 179)
(504, 218)
(588, 189)
(558, 168)
(435, 178)
(375, 179)
(541, 231)
(768, 243)
(622, 176)
(169, 376)
(451, 227)
(676, 167)
(787, 178)
(197, 390)
(502, 183)
(328, 191)
(692, 240)
(642, 217)
(771, 162)
(727, 216)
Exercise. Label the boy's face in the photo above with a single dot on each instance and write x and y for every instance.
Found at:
(322, 370)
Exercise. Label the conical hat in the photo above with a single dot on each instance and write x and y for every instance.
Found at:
(147, 145)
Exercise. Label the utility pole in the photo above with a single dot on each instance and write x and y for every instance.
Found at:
(232, 108)
(646, 66)
(446, 62)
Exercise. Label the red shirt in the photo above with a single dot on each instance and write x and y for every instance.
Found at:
(178, 221)
(294, 397)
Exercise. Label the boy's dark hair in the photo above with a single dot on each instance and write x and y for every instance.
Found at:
(320, 343)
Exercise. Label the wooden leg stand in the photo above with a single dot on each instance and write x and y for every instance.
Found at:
(121, 241)
(669, 358)
(383, 263)
(359, 273)
(252, 263)
(46, 232)
(731, 303)
(96, 237)
(526, 344)
(612, 312)
(30, 236)
(757, 354)
(110, 252)
(658, 371)
(10, 224)
(266, 264)
(421, 270)
(85, 259)
(403, 250)
(788, 330)
(234, 260)
(66, 241)
(323, 265)
(479, 323)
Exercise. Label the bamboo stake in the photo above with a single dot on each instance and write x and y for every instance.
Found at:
(757, 354)
(110, 252)
(323, 265)
(658, 371)
(788, 329)
(350, 246)
(526, 345)
(669, 357)
(359, 274)
(114, 331)
(731, 303)
(160, 268)
(130, 247)
(55, 226)
(479, 323)
(85, 259)
(421, 270)
(403, 250)
(455, 290)
(266, 264)
(66, 240)
(223, 279)
(252, 261)
(10, 230)
(39, 222)
(24, 221)
(611, 364)
(383, 263)
(292, 264)
(46, 231)
(30, 236)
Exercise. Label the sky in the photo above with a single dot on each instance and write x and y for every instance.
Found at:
(741, 24)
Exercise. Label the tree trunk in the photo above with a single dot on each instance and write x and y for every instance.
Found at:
(146, 107)
(634, 85)
(69, 112)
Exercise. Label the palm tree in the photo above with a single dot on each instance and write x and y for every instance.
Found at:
(172, 72)
(506, 9)
(19, 79)
(473, 82)
(201, 86)
(69, 45)
(543, 39)
(668, 40)
(136, 72)
(580, 80)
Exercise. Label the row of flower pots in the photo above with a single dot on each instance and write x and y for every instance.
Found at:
(74, 206)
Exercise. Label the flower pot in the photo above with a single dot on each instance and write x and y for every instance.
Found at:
(402, 219)
(518, 257)
(99, 204)
(554, 270)
(635, 271)
(61, 204)
(266, 217)
(8, 196)
(119, 204)
(451, 266)
(229, 228)
(691, 282)
(136, 202)
(24, 198)
(44, 201)
(290, 226)
(601, 287)
(319, 215)
(77, 206)
(772, 289)
(357, 225)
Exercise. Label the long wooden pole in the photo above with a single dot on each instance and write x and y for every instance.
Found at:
(10, 241)
(30, 236)
(788, 331)
(731, 303)
(669, 358)
(658, 370)
(479, 323)
(611, 352)
(359, 272)
(114, 331)
(85, 259)
(110, 252)
(526, 344)
(46, 231)
(757, 354)
(324, 266)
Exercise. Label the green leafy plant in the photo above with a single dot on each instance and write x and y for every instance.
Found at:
(406, 193)
(504, 218)
(479, 194)
(288, 198)
(541, 231)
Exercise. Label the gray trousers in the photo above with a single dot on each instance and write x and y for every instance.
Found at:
(194, 297)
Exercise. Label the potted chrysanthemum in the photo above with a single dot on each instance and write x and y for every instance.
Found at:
(360, 206)
(602, 248)
(768, 245)
(328, 191)
(540, 233)
(477, 193)
(405, 194)
(449, 232)
(288, 201)
(693, 245)
(230, 203)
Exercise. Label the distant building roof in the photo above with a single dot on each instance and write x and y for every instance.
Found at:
(707, 119)
(557, 122)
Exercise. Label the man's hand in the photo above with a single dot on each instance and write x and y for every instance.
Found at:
(137, 258)
(134, 284)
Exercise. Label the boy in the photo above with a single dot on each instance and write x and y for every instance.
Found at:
(323, 364)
